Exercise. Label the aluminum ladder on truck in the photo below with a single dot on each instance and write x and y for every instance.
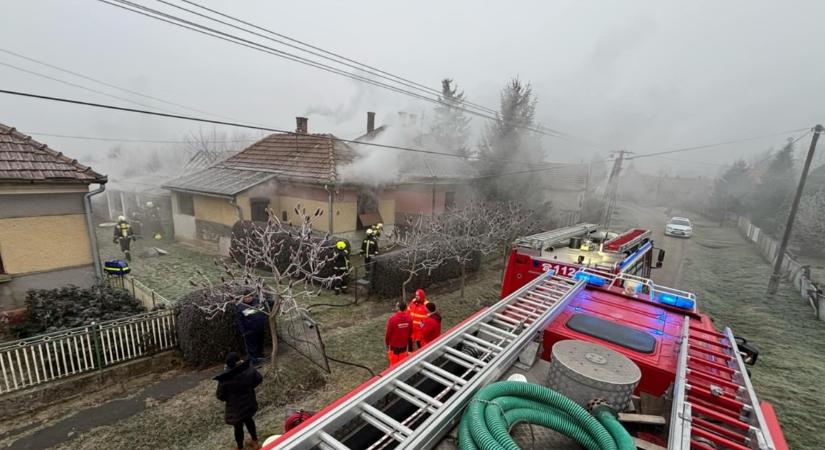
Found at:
(541, 241)
(414, 404)
(714, 404)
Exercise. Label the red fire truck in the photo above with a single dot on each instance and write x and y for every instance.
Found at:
(589, 348)
(568, 250)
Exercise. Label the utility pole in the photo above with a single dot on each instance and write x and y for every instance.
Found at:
(773, 285)
(613, 187)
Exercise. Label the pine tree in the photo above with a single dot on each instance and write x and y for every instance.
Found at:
(451, 128)
(731, 190)
(772, 196)
(509, 138)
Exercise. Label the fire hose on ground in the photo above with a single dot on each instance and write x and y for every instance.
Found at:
(486, 422)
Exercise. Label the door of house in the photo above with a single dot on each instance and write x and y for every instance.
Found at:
(258, 207)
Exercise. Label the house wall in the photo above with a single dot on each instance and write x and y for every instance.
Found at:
(44, 241)
(418, 198)
(215, 210)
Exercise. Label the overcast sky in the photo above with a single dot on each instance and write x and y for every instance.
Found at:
(637, 75)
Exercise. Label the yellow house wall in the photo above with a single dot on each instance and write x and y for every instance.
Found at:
(37, 244)
(386, 207)
(213, 209)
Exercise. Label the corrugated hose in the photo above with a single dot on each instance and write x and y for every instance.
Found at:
(487, 420)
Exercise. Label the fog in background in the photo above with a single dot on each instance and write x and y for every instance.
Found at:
(643, 76)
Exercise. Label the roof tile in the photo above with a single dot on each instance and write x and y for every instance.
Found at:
(22, 159)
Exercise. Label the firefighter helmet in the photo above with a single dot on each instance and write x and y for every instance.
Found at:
(379, 226)
(121, 219)
(370, 231)
(149, 204)
(340, 245)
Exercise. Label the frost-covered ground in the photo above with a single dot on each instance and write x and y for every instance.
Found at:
(729, 277)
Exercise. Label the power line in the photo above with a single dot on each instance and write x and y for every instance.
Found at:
(69, 83)
(193, 26)
(320, 52)
(104, 83)
(719, 144)
(146, 141)
(256, 127)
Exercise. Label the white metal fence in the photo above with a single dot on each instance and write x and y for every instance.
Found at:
(28, 362)
(798, 274)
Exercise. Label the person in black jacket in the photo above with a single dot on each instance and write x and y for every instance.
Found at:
(251, 322)
(236, 387)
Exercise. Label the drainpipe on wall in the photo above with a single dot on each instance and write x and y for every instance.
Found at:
(329, 207)
(87, 207)
(433, 208)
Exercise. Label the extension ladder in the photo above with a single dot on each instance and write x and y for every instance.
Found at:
(714, 404)
(414, 404)
(541, 241)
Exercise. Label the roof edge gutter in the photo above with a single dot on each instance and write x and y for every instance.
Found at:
(87, 207)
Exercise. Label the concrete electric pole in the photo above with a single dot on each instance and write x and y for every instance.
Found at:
(773, 285)
(613, 187)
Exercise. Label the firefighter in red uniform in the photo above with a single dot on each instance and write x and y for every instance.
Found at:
(397, 336)
(432, 325)
(418, 312)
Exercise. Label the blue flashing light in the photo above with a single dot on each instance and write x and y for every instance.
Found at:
(591, 279)
(658, 332)
(638, 252)
(676, 301)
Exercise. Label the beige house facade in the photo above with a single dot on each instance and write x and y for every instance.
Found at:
(45, 240)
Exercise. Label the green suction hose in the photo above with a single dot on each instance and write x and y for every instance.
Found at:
(487, 420)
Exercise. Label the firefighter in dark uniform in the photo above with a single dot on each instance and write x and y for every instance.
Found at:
(341, 267)
(369, 247)
(124, 235)
(152, 221)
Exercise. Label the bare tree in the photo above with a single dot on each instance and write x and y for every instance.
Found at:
(280, 263)
(460, 235)
(422, 250)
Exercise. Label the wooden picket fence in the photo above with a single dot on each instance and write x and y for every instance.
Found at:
(798, 274)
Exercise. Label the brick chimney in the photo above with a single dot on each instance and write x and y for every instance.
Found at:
(301, 125)
(370, 121)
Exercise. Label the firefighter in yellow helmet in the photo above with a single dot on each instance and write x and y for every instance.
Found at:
(377, 230)
(341, 266)
(124, 235)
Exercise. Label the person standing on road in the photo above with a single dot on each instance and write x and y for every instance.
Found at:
(397, 336)
(236, 387)
(418, 312)
(432, 325)
(251, 322)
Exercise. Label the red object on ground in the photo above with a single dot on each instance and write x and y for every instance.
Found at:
(295, 419)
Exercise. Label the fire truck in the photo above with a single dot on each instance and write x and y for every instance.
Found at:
(567, 250)
(580, 344)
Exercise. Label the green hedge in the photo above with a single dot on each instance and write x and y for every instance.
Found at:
(389, 274)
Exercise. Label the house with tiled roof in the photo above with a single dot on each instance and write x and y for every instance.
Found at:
(46, 239)
(276, 173)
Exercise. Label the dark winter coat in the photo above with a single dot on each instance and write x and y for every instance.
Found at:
(249, 318)
(236, 387)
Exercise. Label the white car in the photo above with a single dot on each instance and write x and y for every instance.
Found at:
(679, 226)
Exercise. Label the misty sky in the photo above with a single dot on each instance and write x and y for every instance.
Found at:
(643, 76)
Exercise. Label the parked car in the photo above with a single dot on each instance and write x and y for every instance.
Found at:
(679, 226)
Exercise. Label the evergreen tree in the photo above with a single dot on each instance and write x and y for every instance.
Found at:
(772, 196)
(509, 138)
(451, 128)
(731, 190)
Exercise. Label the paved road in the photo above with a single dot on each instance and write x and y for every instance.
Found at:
(631, 215)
